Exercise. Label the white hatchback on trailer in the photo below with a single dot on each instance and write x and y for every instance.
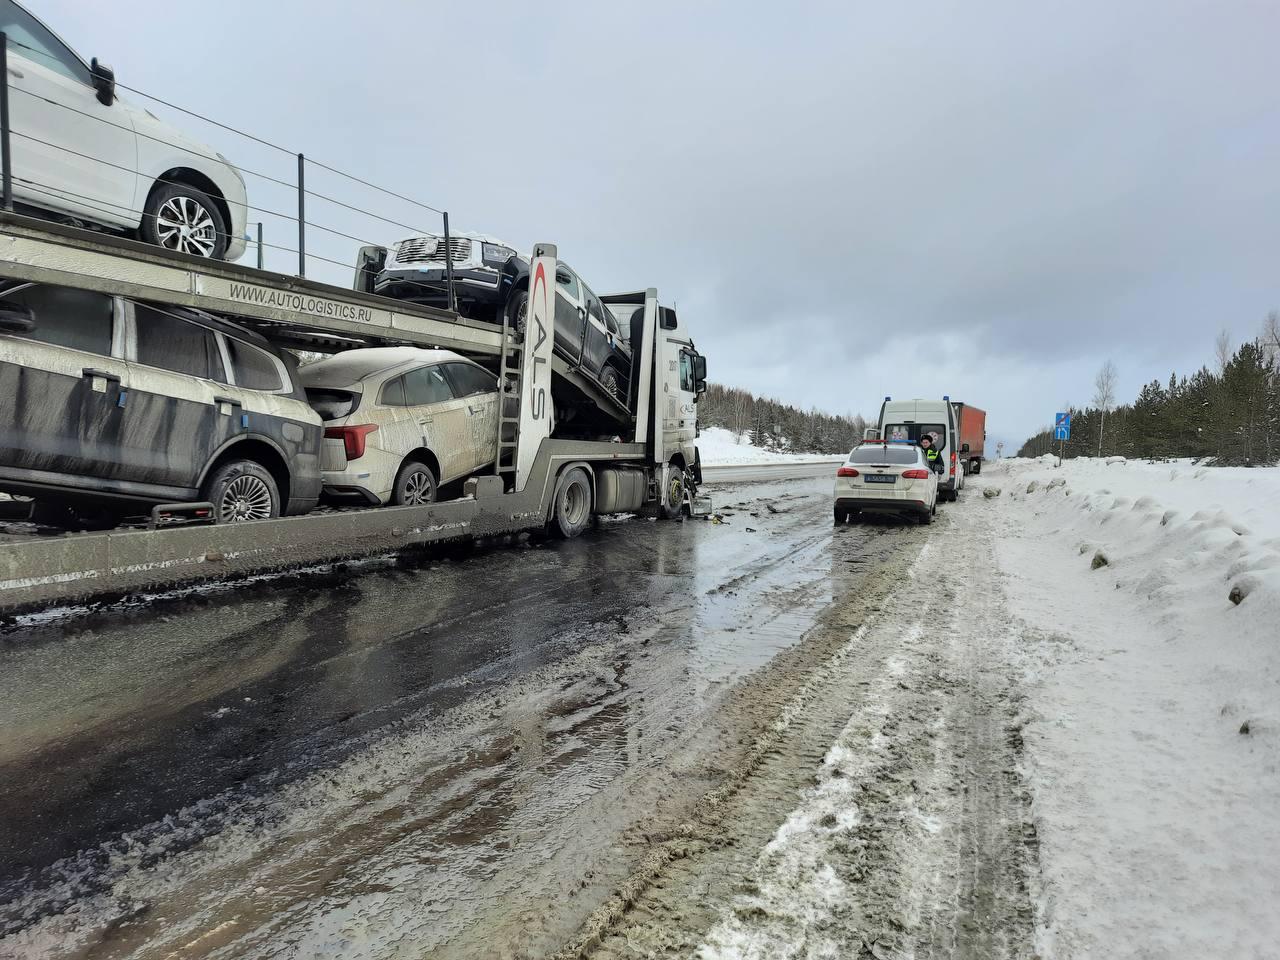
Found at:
(402, 421)
(886, 477)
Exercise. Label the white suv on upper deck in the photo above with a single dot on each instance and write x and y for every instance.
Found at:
(82, 154)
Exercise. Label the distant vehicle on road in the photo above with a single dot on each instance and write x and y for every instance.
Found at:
(402, 421)
(84, 156)
(909, 420)
(972, 424)
(886, 478)
(111, 403)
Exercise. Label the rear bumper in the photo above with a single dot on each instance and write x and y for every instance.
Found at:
(881, 505)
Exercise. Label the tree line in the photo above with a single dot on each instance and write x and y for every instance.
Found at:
(777, 426)
(1228, 414)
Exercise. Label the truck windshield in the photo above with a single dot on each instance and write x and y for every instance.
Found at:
(886, 453)
(914, 431)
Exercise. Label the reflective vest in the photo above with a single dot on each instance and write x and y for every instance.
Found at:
(931, 455)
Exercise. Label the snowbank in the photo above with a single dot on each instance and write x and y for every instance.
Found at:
(1150, 599)
(718, 446)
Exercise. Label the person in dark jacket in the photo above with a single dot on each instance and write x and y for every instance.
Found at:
(931, 454)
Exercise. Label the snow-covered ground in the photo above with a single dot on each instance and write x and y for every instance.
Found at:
(720, 447)
(1153, 747)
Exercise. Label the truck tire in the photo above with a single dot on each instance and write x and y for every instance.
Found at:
(671, 506)
(571, 509)
(242, 490)
(416, 484)
(976, 468)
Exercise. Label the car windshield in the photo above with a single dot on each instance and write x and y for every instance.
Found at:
(884, 453)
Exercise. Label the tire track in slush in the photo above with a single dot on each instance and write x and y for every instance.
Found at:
(888, 817)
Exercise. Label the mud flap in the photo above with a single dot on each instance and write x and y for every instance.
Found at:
(699, 503)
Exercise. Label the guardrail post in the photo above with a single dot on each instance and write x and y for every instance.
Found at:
(259, 244)
(302, 216)
(6, 170)
(448, 263)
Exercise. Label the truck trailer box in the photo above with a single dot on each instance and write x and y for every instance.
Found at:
(972, 424)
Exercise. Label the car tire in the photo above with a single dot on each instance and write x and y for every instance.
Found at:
(240, 491)
(924, 517)
(842, 517)
(183, 218)
(671, 506)
(518, 314)
(571, 508)
(416, 484)
(611, 383)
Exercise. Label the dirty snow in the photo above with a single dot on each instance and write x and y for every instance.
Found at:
(720, 447)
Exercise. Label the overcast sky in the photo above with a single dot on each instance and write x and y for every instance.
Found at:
(982, 199)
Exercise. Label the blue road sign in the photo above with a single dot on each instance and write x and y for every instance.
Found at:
(1062, 426)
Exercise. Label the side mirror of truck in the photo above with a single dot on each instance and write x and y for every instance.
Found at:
(16, 318)
(964, 448)
(104, 81)
(871, 433)
(563, 277)
(700, 370)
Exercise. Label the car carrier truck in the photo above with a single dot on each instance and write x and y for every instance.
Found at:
(541, 480)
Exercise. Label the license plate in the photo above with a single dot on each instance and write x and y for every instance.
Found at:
(880, 478)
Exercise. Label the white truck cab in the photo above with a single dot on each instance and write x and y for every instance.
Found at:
(909, 420)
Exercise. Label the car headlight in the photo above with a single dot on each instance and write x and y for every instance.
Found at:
(495, 254)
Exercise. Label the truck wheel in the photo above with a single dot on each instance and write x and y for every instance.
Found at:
(415, 485)
(242, 490)
(977, 467)
(571, 511)
(672, 505)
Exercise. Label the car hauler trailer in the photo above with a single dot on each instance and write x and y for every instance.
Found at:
(538, 480)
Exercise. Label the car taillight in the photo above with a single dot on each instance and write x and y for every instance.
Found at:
(352, 437)
(915, 474)
(953, 463)
(846, 472)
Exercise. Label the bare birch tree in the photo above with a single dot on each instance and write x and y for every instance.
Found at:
(1104, 396)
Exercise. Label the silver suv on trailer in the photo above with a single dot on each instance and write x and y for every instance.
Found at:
(111, 403)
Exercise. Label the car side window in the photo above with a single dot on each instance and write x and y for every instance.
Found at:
(66, 317)
(595, 307)
(255, 369)
(469, 380)
(172, 343)
(37, 44)
(686, 372)
(426, 385)
(393, 393)
(567, 283)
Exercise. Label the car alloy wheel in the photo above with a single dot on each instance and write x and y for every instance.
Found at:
(183, 224)
(419, 489)
(245, 498)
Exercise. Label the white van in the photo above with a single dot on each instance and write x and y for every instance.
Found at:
(909, 420)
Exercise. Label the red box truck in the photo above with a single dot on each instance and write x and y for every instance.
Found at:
(972, 425)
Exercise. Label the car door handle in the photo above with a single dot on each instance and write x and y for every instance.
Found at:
(229, 401)
(474, 410)
(16, 73)
(426, 420)
(90, 372)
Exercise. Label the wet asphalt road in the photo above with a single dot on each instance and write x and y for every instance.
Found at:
(461, 719)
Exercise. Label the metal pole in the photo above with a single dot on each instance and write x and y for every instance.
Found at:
(302, 216)
(448, 264)
(6, 172)
(259, 244)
